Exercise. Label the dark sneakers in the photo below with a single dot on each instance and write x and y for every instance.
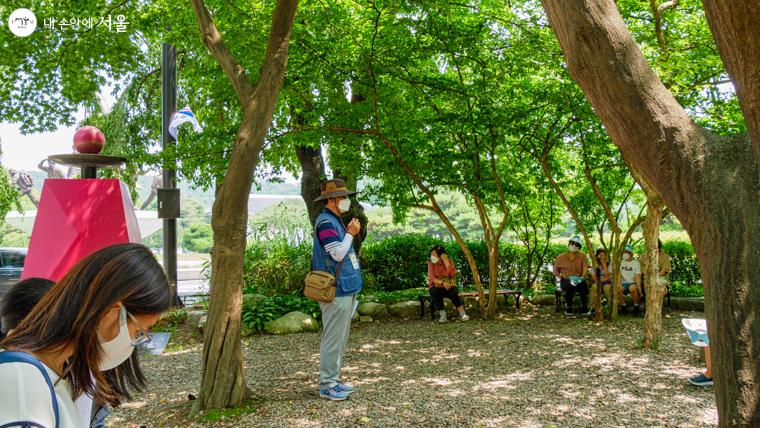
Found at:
(701, 380)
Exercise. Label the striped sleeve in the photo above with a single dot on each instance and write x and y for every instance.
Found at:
(328, 235)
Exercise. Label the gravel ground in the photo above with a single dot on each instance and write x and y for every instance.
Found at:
(531, 369)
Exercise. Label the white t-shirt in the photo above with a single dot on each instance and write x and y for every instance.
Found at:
(24, 396)
(629, 270)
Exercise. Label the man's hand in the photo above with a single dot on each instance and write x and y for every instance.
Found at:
(354, 227)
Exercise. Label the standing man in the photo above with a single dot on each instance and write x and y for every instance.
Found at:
(333, 246)
(571, 267)
(630, 274)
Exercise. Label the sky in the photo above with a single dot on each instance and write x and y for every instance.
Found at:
(24, 152)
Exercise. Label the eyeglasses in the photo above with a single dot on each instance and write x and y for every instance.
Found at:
(143, 335)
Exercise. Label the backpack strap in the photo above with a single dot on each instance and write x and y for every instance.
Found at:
(23, 357)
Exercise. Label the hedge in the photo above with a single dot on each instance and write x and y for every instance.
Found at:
(400, 263)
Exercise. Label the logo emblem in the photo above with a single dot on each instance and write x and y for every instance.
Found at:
(22, 22)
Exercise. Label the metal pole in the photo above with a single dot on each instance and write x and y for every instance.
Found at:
(168, 107)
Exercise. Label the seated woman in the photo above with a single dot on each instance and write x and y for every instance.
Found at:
(602, 275)
(442, 283)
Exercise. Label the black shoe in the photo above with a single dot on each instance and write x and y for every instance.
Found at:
(569, 311)
(635, 310)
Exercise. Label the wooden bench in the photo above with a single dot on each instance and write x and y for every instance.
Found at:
(558, 293)
(425, 298)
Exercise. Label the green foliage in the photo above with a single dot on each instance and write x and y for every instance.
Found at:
(286, 220)
(685, 277)
(198, 238)
(12, 237)
(9, 197)
(398, 263)
(257, 314)
(276, 267)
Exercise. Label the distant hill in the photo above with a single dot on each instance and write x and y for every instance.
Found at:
(205, 197)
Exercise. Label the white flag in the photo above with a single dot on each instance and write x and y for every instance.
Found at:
(182, 116)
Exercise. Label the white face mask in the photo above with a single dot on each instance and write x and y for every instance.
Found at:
(117, 350)
(627, 257)
(434, 259)
(344, 205)
(573, 248)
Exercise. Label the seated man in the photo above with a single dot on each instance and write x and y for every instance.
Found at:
(630, 274)
(571, 267)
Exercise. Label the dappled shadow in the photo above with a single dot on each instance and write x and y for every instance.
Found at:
(532, 368)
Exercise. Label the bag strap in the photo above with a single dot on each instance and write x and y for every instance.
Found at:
(23, 357)
(340, 267)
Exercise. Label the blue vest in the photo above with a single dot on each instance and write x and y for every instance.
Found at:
(350, 279)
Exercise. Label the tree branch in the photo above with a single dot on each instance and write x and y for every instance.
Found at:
(213, 41)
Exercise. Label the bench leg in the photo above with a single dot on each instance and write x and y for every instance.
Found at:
(517, 301)
(422, 307)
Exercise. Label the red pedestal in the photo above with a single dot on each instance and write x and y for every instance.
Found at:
(75, 218)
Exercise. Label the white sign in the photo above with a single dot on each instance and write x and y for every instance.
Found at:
(22, 22)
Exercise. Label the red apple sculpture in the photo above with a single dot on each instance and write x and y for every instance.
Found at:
(89, 139)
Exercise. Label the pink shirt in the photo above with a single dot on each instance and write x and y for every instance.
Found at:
(439, 270)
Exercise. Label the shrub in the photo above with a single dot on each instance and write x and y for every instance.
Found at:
(276, 267)
(400, 263)
(397, 263)
(257, 314)
(198, 238)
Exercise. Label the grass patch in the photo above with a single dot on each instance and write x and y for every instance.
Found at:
(216, 415)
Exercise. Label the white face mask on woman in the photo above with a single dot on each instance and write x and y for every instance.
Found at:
(573, 248)
(344, 205)
(434, 259)
(117, 350)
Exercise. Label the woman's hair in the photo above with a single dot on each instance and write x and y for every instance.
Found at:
(71, 312)
(20, 299)
(600, 251)
(438, 250)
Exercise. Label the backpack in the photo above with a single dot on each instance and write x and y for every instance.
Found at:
(22, 357)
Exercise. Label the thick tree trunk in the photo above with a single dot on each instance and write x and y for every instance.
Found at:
(222, 380)
(312, 176)
(710, 183)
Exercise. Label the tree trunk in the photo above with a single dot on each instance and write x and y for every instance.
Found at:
(651, 268)
(356, 210)
(222, 380)
(312, 176)
(710, 183)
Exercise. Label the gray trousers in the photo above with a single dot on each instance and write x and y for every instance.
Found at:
(336, 322)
